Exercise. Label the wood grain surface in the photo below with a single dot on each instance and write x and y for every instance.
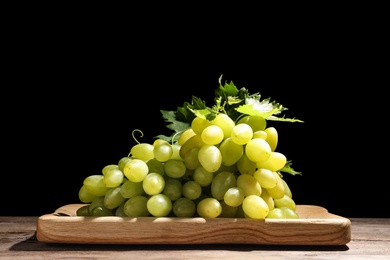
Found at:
(316, 226)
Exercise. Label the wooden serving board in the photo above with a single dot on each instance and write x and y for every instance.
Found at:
(315, 226)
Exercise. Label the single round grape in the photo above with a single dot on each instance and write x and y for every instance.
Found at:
(260, 134)
(234, 196)
(175, 168)
(113, 177)
(203, 177)
(289, 213)
(159, 205)
(95, 185)
(122, 162)
(255, 207)
(221, 183)
(246, 166)
(276, 213)
(241, 134)
(227, 211)
(249, 185)
(163, 151)
(266, 178)
(173, 189)
(210, 157)
(191, 160)
(136, 207)
(113, 198)
(153, 183)
(184, 207)
(85, 196)
(285, 201)
(135, 170)
(275, 162)
(155, 166)
(143, 151)
(268, 199)
(258, 150)
(212, 135)
(230, 151)
(209, 208)
(191, 190)
(277, 192)
(272, 137)
(257, 123)
(130, 189)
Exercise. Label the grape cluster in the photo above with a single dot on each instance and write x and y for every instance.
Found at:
(216, 168)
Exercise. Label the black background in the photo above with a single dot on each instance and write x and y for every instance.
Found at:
(80, 84)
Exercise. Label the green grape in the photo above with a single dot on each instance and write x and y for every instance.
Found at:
(83, 211)
(287, 190)
(241, 134)
(153, 183)
(183, 207)
(260, 134)
(209, 208)
(191, 160)
(135, 170)
(193, 141)
(225, 123)
(230, 151)
(198, 124)
(266, 178)
(272, 137)
(163, 151)
(258, 150)
(285, 201)
(267, 198)
(119, 211)
(175, 152)
(227, 211)
(210, 157)
(276, 213)
(203, 177)
(101, 211)
(289, 213)
(234, 196)
(122, 162)
(255, 207)
(246, 166)
(275, 162)
(143, 151)
(277, 192)
(212, 135)
(175, 168)
(113, 198)
(130, 189)
(109, 167)
(95, 185)
(136, 207)
(113, 177)
(187, 134)
(191, 190)
(159, 205)
(173, 189)
(221, 183)
(155, 166)
(85, 196)
(257, 123)
(249, 185)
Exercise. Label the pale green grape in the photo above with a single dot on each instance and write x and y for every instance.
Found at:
(175, 152)
(287, 190)
(209, 208)
(266, 178)
(255, 207)
(212, 135)
(153, 183)
(122, 162)
(276, 213)
(113, 177)
(221, 183)
(130, 189)
(175, 168)
(97, 208)
(135, 170)
(113, 198)
(203, 177)
(257, 123)
(155, 166)
(85, 196)
(95, 185)
(272, 137)
(198, 124)
(173, 189)
(285, 201)
(227, 211)
(234, 196)
(289, 213)
(191, 160)
(249, 185)
(119, 212)
(193, 141)
(225, 123)
(109, 167)
(191, 190)
(267, 198)
(258, 150)
(143, 151)
(210, 157)
(163, 151)
(246, 166)
(241, 134)
(230, 151)
(260, 134)
(159, 205)
(83, 211)
(187, 134)
(275, 162)
(183, 207)
(136, 207)
(277, 192)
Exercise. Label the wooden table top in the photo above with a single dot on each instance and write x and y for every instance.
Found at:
(370, 240)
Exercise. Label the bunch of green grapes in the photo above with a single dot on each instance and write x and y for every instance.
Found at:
(218, 168)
